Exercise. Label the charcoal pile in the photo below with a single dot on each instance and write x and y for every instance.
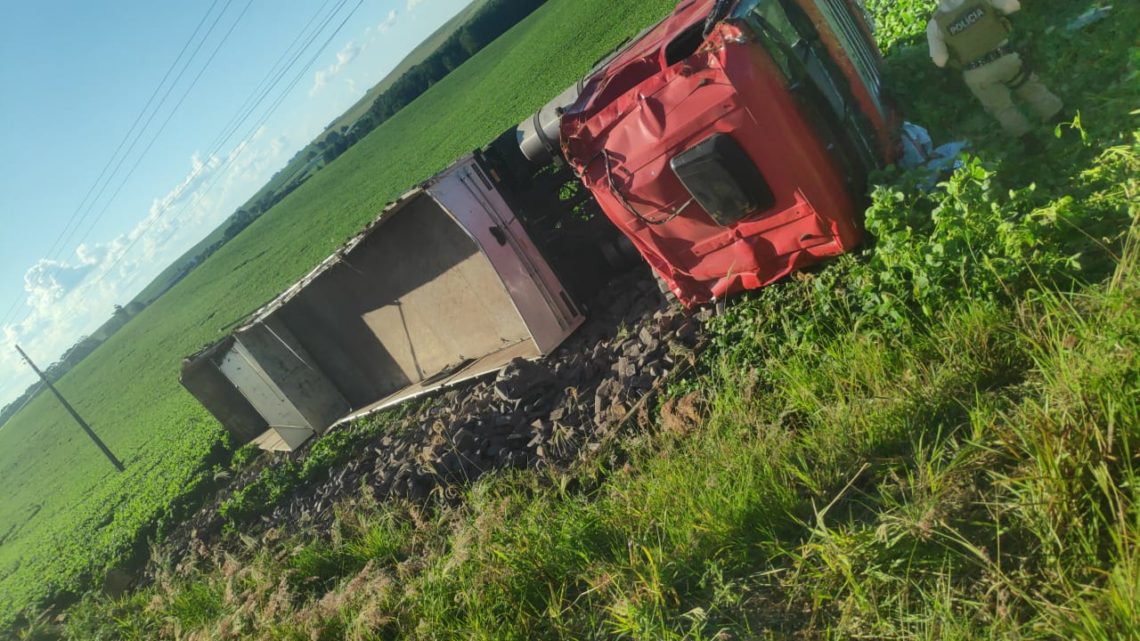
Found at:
(551, 412)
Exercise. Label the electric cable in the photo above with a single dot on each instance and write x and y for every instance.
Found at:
(141, 131)
(250, 102)
(268, 90)
(57, 243)
(229, 160)
(241, 118)
(162, 127)
(130, 131)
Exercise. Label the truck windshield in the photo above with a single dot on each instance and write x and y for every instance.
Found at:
(770, 21)
(839, 19)
(772, 14)
(787, 32)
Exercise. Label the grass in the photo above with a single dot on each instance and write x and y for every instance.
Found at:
(935, 439)
(66, 515)
(972, 479)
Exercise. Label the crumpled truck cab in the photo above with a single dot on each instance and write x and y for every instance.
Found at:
(731, 142)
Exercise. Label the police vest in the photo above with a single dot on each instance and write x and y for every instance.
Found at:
(972, 30)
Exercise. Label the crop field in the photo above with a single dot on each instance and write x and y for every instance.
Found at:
(414, 57)
(935, 438)
(65, 514)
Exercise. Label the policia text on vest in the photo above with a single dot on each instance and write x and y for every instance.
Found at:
(973, 35)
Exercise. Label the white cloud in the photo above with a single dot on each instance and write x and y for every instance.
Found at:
(389, 22)
(49, 280)
(347, 54)
(320, 79)
(412, 4)
(72, 297)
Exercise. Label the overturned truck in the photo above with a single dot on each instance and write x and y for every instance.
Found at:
(728, 146)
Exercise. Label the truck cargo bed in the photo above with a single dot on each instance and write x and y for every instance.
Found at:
(444, 286)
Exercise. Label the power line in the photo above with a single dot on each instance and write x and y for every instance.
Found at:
(162, 127)
(59, 243)
(242, 117)
(279, 75)
(8, 314)
(138, 135)
(149, 119)
(252, 100)
(274, 75)
(130, 131)
(265, 117)
(265, 87)
(65, 234)
(273, 78)
(56, 244)
(259, 95)
(256, 126)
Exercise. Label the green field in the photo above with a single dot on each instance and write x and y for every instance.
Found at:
(415, 57)
(931, 439)
(65, 514)
(934, 439)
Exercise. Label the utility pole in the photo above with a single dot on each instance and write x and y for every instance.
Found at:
(75, 415)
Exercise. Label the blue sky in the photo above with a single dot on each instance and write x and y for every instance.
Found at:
(74, 78)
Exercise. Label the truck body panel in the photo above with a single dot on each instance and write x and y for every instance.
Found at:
(675, 89)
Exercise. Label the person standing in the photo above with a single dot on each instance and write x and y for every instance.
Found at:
(973, 35)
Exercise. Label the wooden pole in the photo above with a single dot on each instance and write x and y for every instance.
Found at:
(75, 415)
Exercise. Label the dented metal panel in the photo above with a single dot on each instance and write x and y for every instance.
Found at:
(678, 88)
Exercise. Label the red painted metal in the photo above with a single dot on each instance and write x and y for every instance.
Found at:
(638, 112)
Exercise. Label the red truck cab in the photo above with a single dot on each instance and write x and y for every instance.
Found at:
(731, 142)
